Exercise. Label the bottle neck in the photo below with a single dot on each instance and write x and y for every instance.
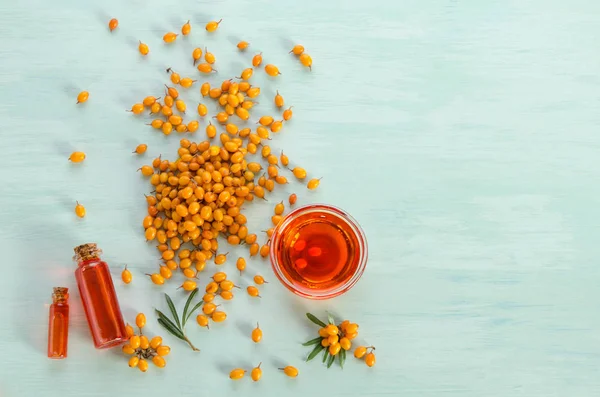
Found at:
(86, 253)
(60, 295)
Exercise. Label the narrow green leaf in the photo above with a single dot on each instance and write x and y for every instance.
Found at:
(315, 320)
(194, 309)
(186, 307)
(325, 355)
(312, 341)
(169, 327)
(163, 317)
(173, 310)
(314, 352)
(330, 360)
(342, 358)
(330, 319)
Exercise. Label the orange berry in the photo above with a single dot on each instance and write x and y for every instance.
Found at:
(170, 37)
(213, 25)
(297, 50)
(112, 24)
(186, 28)
(272, 70)
(257, 60)
(242, 45)
(143, 49)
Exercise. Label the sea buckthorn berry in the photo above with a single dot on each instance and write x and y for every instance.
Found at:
(334, 348)
(212, 287)
(292, 199)
(284, 159)
(265, 120)
(343, 325)
(157, 279)
(127, 349)
(157, 123)
(264, 251)
(208, 297)
(219, 316)
(129, 331)
(78, 157)
(246, 74)
(345, 343)
(272, 70)
(254, 249)
(306, 60)
(242, 45)
(143, 49)
(149, 101)
(159, 361)
(219, 276)
(351, 328)
(332, 329)
(141, 148)
(279, 208)
(209, 56)
(188, 285)
(163, 351)
(256, 373)
(333, 339)
(167, 128)
(155, 342)
(287, 114)
(205, 68)
(278, 100)
(193, 127)
(313, 184)
(170, 37)
(237, 373)
(253, 92)
(226, 285)
(242, 113)
(220, 259)
(155, 108)
(112, 24)
(360, 352)
(290, 371)
(257, 60)
(196, 55)
(134, 341)
(325, 342)
(370, 359)
(144, 342)
(205, 89)
(80, 210)
(189, 272)
(202, 109)
(299, 172)
(276, 126)
(143, 365)
(259, 280)
(186, 28)
(133, 362)
(83, 96)
(253, 291)
(213, 25)
(257, 334)
(240, 264)
(323, 333)
(202, 320)
(126, 275)
(297, 50)
(209, 308)
(175, 78)
(140, 320)
(227, 295)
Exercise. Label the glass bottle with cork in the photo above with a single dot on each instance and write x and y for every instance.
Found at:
(58, 324)
(99, 297)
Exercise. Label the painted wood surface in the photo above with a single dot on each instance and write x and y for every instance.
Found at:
(462, 135)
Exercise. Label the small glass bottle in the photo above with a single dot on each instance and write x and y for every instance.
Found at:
(99, 297)
(58, 324)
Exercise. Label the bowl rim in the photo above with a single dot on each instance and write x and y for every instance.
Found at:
(363, 249)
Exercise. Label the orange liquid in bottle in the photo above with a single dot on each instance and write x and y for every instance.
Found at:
(58, 324)
(99, 298)
(318, 251)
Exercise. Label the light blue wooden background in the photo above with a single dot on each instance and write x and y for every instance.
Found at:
(462, 135)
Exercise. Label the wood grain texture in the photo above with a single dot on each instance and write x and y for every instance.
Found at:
(462, 135)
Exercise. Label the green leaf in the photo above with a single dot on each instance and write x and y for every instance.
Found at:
(170, 328)
(330, 319)
(330, 360)
(184, 317)
(325, 355)
(342, 357)
(173, 310)
(313, 341)
(194, 309)
(315, 320)
(314, 352)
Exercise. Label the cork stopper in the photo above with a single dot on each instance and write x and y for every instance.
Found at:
(60, 294)
(86, 252)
